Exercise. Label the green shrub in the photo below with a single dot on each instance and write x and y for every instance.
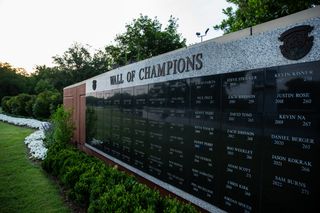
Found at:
(18, 104)
(95, 185)
(29, 105)
(46, 103)
(172, 205)
(102, 188)
(147, 198)
(40, 106)
(116, 199)
(14, 105)
(5, 104)
(55, 101)
(43, 85)
(82, 188)
(72, 174)
(62, 125)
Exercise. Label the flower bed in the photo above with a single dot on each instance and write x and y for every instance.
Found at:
(34, 141)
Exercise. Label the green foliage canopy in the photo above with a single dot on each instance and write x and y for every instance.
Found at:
(75, 63)
(12, 80)
(144, 38)
(46, 103)
(43, 85)
(252, 12)
(62, 126)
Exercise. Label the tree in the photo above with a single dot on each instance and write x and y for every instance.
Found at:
(77, 64)
(143, 39)
(56, 77)
(12, 80)
(252, 12)
(43, 85)
(100, 62)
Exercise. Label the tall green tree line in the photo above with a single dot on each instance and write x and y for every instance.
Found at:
(143, 38)
(13, 80)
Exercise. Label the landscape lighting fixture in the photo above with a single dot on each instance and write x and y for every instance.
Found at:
(201, 36)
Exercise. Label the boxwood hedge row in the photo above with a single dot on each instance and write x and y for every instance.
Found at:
(102, 188)
(97, 186)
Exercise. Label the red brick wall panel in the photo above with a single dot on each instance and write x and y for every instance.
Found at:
(74, 99)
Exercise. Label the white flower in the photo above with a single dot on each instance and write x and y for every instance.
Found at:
(35, 140)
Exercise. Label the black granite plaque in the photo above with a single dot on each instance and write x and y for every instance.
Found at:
(205, 92)
(291, 165)
(203, 181)
(178, 94)
(107, 108)
(205, 125)
(242, 129)
(291, 171)
(241, 169)
(246, 141)
(157, 114)
(293, 87)
(140, 97)
(99, 110)
(203, 184)
(127, 96)
(91, 117)
(243, 91)
(140, 148)
(156, 165)
(158, 94)
(204, 137)
(157, 141)
(127, 107)
(177, 160)
(177, 123)
(178, 141)
(140, 129)
(116, 125)
(291, 162)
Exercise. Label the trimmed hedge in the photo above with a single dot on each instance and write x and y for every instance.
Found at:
(17, 104)
(101, 188)
(40, 106)
(5, 104)
(95, 185)
(46, 103)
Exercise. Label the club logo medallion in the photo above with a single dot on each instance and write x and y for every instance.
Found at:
(296, 42)
(94, 84)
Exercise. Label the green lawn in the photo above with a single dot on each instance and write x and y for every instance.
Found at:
(24, 187)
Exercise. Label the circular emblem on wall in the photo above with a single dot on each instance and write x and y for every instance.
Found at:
(94, 84)
(296, 42)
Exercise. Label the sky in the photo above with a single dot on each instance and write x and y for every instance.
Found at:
(33, 31)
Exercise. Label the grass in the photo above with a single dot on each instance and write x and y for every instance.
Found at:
(24, 187)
